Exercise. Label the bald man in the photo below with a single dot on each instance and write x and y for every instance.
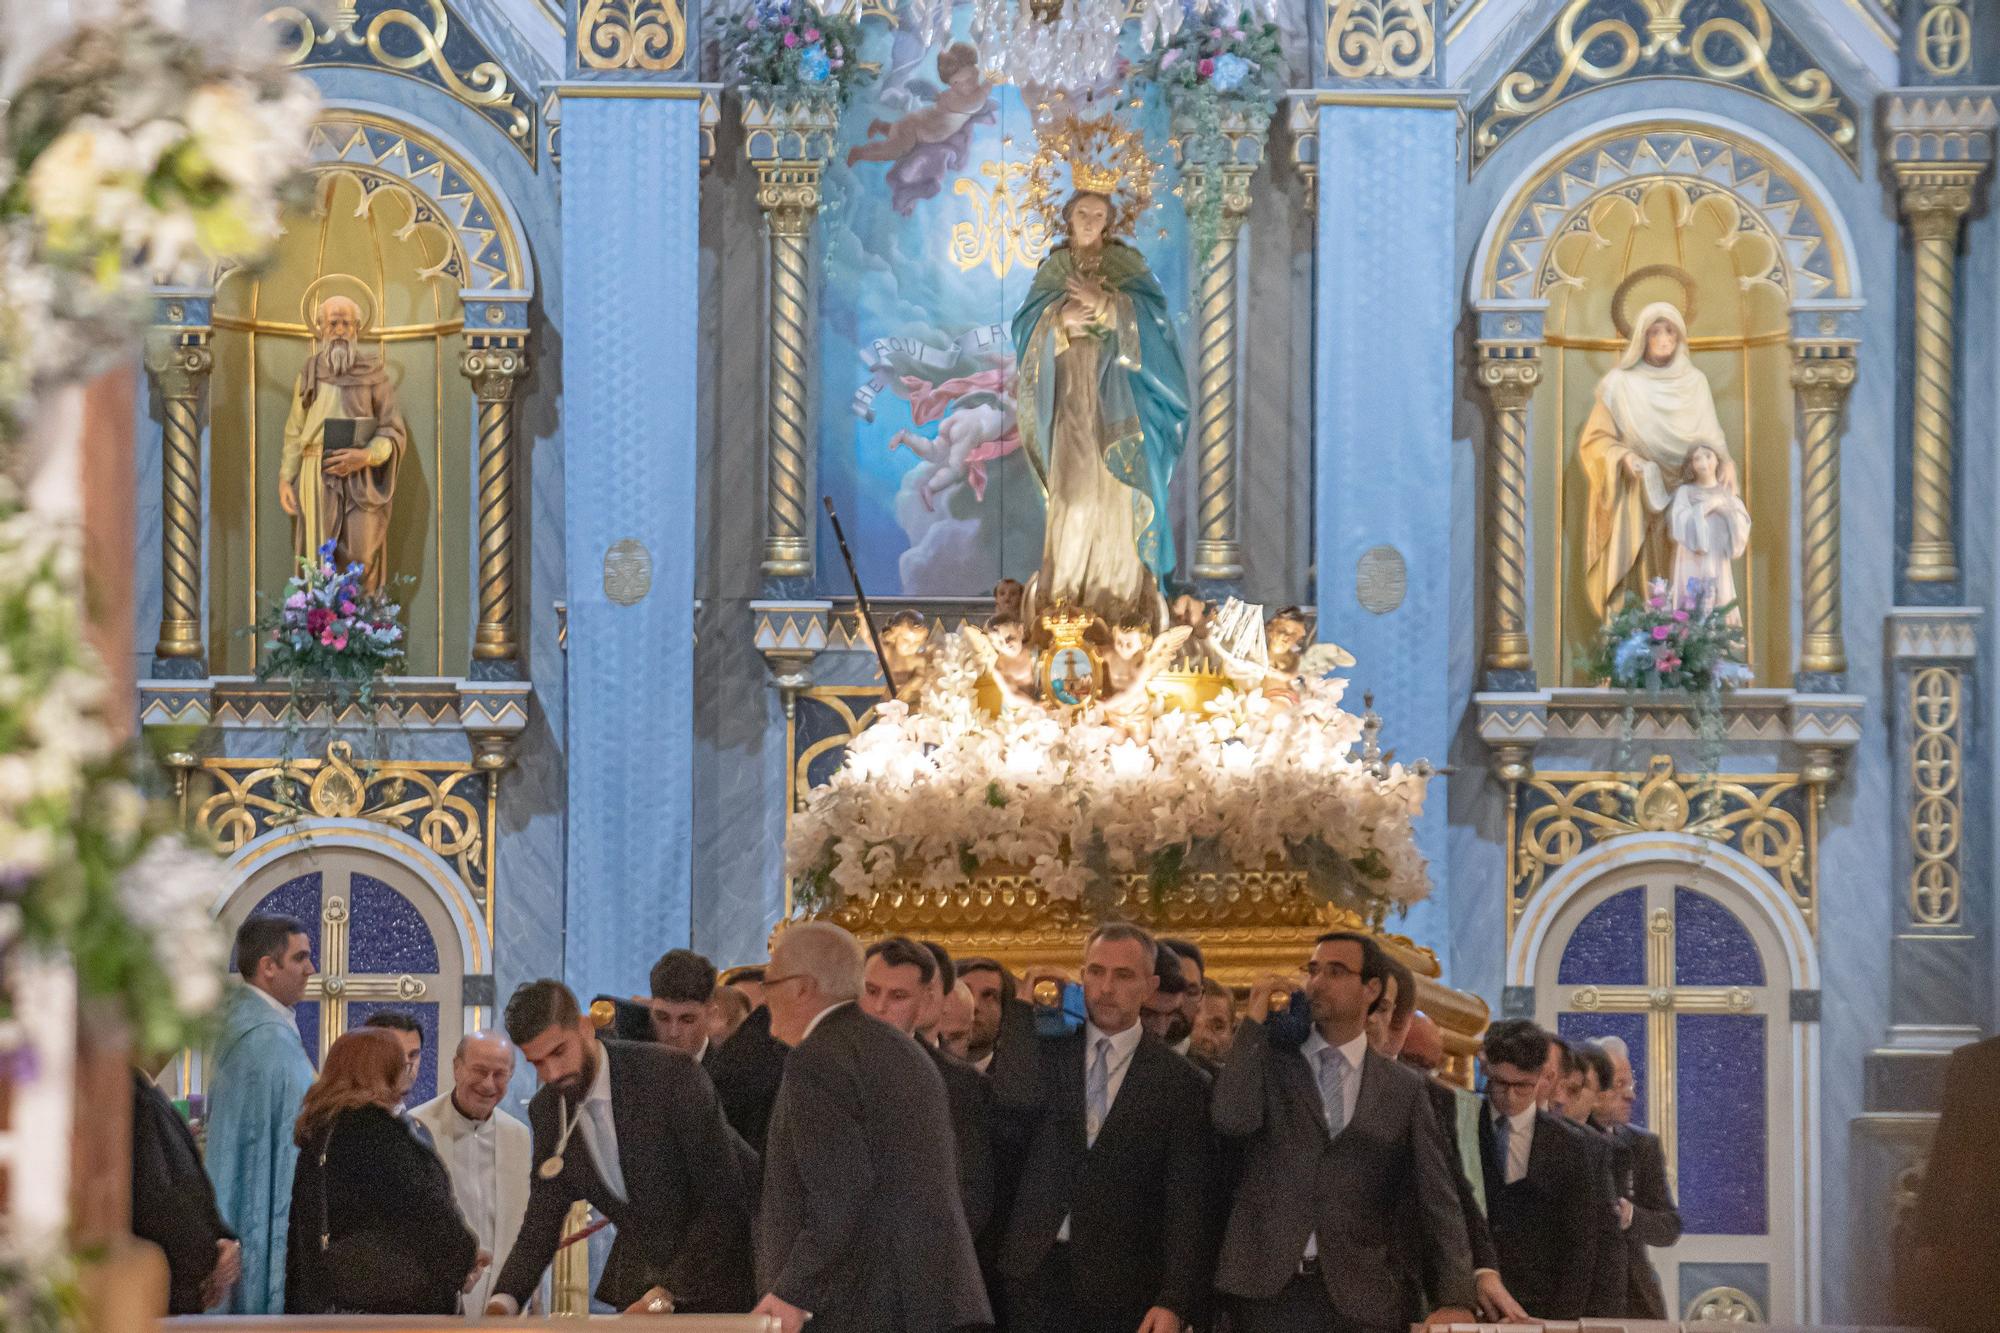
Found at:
(484, 1150)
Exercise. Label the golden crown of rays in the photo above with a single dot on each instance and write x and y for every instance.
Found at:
(1101, 156)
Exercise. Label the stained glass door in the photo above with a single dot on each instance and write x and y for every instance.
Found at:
(1662, 962)
(376, 945)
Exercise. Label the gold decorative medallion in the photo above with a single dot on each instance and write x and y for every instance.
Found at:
(1072, 673)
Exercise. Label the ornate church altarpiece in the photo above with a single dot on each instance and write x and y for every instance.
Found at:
(405, 231)
(1734, 236)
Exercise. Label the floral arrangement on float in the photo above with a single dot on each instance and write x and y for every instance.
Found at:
(328, 628)
(1217, 73)
(1669, 643)
(1265, 773)
(787, 54)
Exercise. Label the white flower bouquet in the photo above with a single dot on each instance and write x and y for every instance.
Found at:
(938, 793)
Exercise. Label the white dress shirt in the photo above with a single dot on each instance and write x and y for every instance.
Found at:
(1117, 1061)
(470, 1150)
(275, 1002)
(1520, 1141)
(1350, 1089)
(819, 1018)
(984, 1064)
(599, 1130)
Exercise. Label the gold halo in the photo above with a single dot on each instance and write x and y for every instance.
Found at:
(1621, 319)
(1105, 145)
(363, 296)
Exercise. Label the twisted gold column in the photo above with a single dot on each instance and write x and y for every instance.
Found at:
(789, 194)
(1822, 376)
(1510, 373)
(181, 360)
(1218, 550)
(1934, 199)
(496, 364)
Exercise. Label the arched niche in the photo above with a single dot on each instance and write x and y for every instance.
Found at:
(1706, 968)
(392, 927)
(439, 257)
(1683, 207)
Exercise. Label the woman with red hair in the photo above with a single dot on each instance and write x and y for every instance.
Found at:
(373, 1227)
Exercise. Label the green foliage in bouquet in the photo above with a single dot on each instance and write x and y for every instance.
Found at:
(1208, 71)
(787, 53)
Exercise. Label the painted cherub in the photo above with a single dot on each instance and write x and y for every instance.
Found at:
(927, 143)
(979, 428)
(1003, 647)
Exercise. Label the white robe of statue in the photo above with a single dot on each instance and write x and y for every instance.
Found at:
(1710, 529)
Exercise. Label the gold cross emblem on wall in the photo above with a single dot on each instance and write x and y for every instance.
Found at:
(333, 986)
(1660, 1001)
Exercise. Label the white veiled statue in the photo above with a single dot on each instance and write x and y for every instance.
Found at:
(1654, 410)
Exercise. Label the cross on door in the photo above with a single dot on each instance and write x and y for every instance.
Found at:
(1660, 1000)
(333, 986)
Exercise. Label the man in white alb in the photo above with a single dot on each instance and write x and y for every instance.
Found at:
(484, 1149)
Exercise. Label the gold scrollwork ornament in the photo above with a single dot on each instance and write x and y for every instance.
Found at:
(1380, 39)
(1944, 39)
(631, 34)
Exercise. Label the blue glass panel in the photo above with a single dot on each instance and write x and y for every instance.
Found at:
(1629, 1028)
(386, 932)
(1711, 947)
(1724, 1174)
(294, 898)
(306, 1013)
(426, 1014)
(1609, 946)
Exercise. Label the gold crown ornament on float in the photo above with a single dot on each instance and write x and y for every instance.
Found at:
(1095, 155)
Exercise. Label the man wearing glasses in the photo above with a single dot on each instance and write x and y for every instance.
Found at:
(1547, 1192)
(1319, 1109)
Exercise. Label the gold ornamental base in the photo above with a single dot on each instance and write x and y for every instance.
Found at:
(1248, 924)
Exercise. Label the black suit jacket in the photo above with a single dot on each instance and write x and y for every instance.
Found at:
(1379, 1198)
(379, 1181)
(1137, 1199)
(173, 1203)
(1639, 1165)
(1957, 1278)
(1546, 1226)
(861, 1222)
(966, 1092)
(746, 1071)
(1609, 1288)
(685, 1221)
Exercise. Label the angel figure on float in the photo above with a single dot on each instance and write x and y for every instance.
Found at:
(905, 642)
(1002, 646)
(1101, 389)
(1654, 409)
(1136, 657)
(930, 142)
(1710, 529)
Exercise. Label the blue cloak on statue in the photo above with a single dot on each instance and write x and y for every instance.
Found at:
(258, 1073)
(1110, 406)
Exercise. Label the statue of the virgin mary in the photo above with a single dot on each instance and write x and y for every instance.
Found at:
(1103, 403)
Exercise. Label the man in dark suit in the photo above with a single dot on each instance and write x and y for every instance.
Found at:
(1578, 1085)
(1547, 1190)
(682, 983)
(1389, 1025)
(1108, 1147)
(1647, 1214)
(634, 1128)
(1957, 1261)
(862, 1230)
(1346, 1178)
(746, 1071)
(893, 983)
(173, 1204)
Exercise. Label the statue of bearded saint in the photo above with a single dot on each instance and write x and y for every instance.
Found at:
(344, 496)
(1654, 411)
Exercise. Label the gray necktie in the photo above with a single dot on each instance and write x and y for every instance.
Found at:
(604, 1147)
(1098, 1089)
(1333, 1088)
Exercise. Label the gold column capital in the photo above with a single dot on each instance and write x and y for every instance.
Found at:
(789, 194)
(495, 369)
(1509, 380)
(1936, 196)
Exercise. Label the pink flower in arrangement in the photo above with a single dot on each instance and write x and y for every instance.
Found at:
(1660, 632)
(812, 34)
(347, 608)
(1669, 662)
(1205, 68)
(1169, 58)
(1681, 616)
(1236, 34)
(296, 602)
(791, 39)
(318, 619)
(834, 64)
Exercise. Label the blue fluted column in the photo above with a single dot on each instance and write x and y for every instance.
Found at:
(1383, 372)
(630, 229)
